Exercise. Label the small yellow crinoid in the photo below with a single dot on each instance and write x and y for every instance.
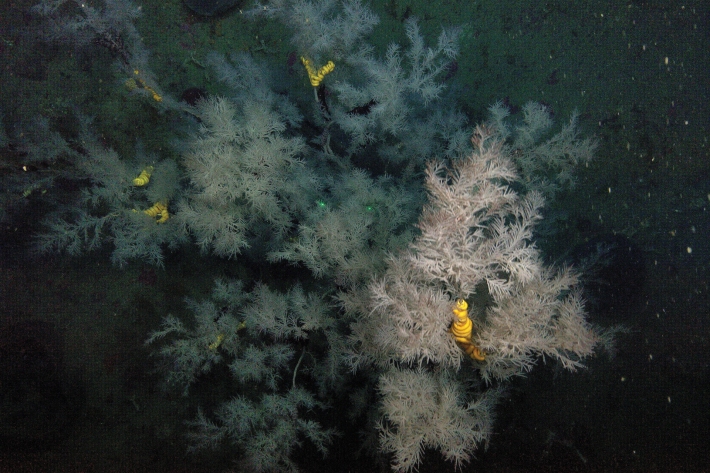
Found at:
(317, 76)
(144, 177)
(462, 329)
(159, 211)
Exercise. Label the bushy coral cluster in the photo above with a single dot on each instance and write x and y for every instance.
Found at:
(426, 289)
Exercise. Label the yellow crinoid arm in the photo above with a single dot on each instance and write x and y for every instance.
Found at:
(144, 177)
(218, 341)
(473, 351)
(317, 76)
(138, 80)
(164, 216)
(159, 211)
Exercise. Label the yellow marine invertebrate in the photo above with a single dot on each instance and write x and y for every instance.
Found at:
(136, 82)
(461, 329)
(159, 211)
(316, 76)
(214, 345)
(220, 338)
(144, 177)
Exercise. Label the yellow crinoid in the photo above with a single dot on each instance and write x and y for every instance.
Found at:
(159, 211)
(144, 177)
(462, 329)
(137, 82)
(316, 76)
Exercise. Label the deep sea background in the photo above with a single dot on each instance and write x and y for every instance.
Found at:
(72, 329)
